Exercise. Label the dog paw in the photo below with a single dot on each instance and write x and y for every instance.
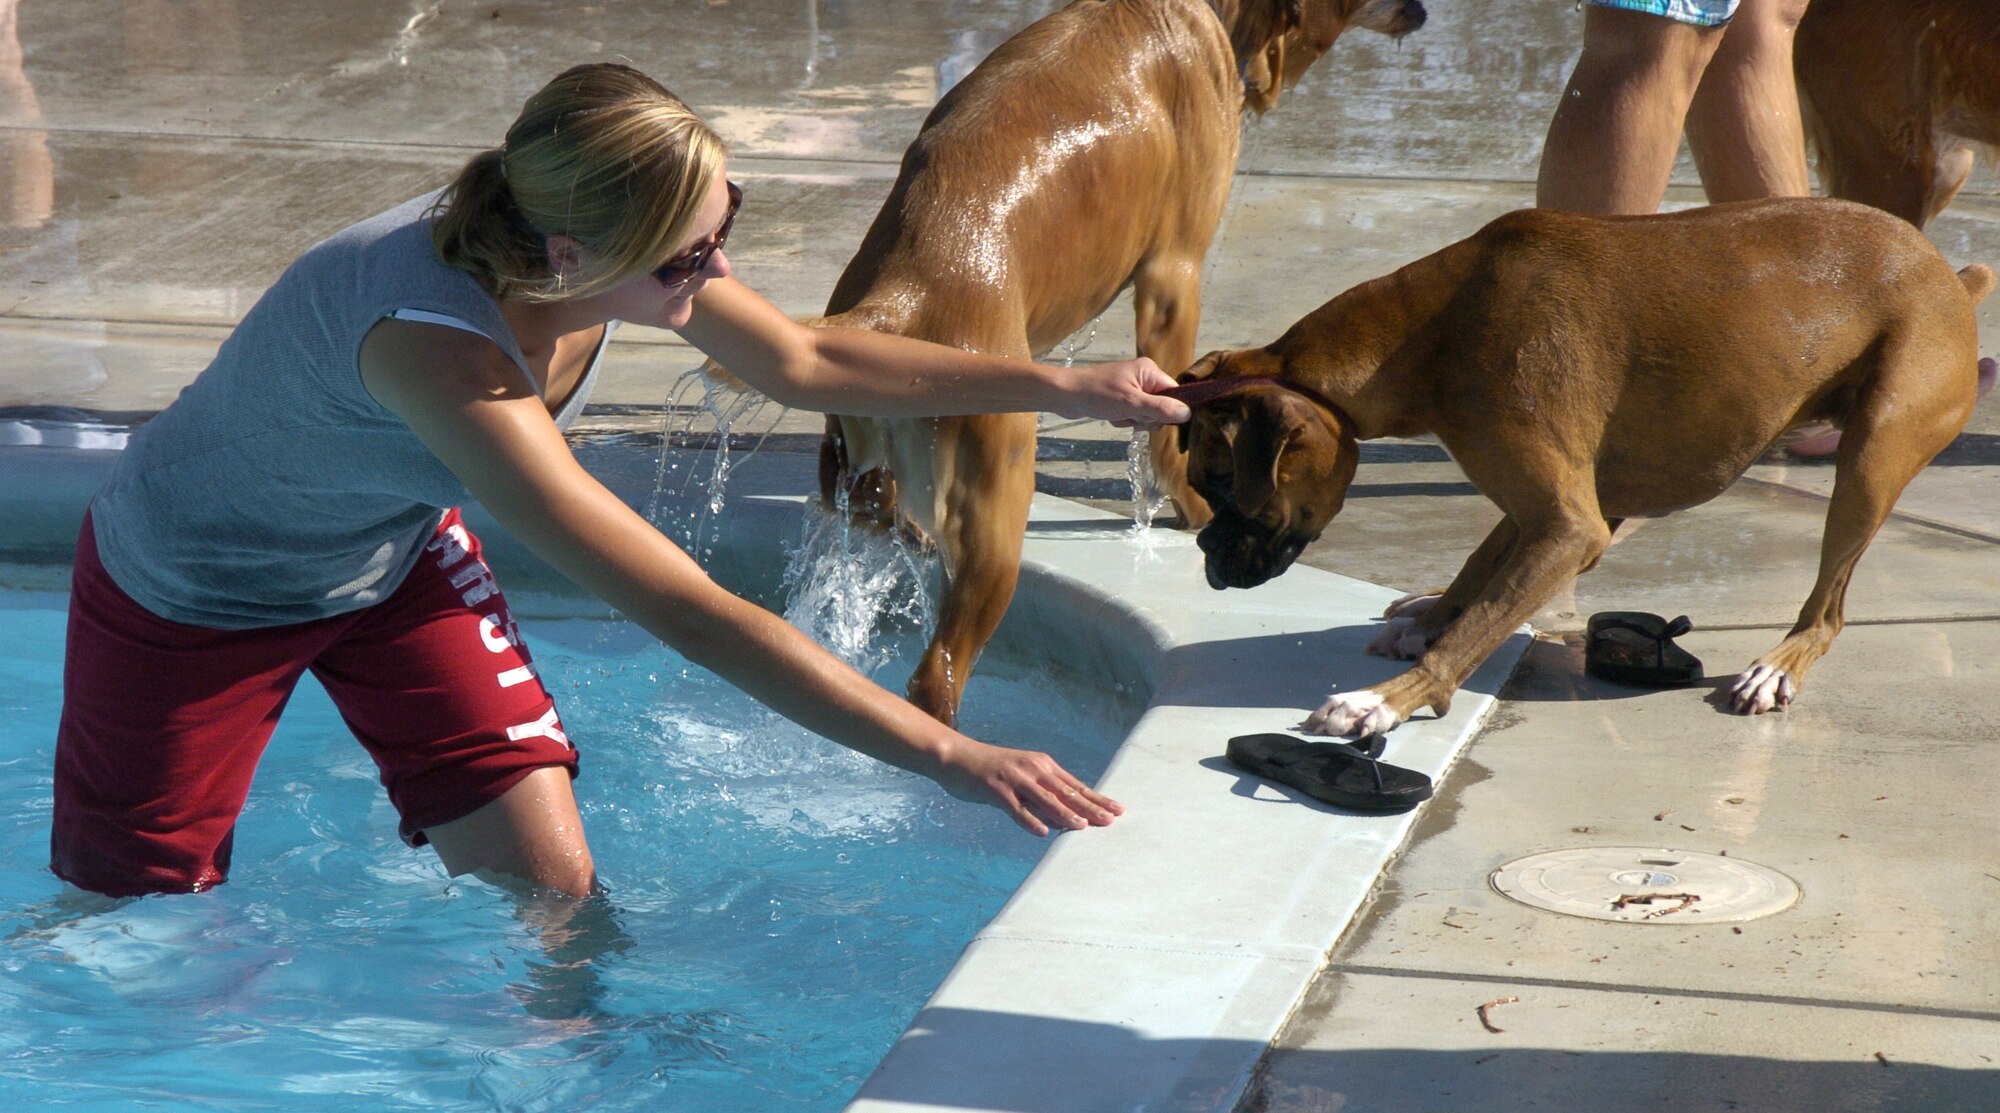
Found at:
(1399, 639)
(1761, 688)
(1358, 713)
(1412, 605)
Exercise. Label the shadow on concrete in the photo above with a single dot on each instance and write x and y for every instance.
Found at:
(973, 1059)
(1212, 673)
(1969, 450)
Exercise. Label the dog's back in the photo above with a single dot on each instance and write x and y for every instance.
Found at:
(1680, 318)
(1040, 183)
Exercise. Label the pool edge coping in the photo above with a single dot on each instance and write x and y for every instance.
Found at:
(1104, 984)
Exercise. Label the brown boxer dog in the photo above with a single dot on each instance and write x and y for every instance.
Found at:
(1091, 151)
(1583, 370)
(1899, 98)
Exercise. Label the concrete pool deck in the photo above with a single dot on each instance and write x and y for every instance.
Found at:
(160, 162)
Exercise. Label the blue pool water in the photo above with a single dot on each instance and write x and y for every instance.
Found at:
(779, 908)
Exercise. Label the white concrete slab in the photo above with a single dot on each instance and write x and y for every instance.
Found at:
(1147, 965)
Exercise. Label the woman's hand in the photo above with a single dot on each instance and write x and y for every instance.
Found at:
(1027, 785)
(1125, 393)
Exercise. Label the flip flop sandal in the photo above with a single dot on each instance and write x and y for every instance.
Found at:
(1636, 648)
(1342, 773)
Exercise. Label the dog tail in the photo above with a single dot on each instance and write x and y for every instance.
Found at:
(1979, 280)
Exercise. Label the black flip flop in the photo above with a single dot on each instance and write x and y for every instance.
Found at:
(1636, 648)
(1342, 773)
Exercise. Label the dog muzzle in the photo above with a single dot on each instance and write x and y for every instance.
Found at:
(1240, 553)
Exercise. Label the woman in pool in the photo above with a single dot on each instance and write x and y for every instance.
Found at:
(289, 511)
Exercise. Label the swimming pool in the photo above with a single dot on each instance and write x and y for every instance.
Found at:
(1142, 965)
(779, 907)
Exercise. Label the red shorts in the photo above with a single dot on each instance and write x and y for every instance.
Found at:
(163, 723)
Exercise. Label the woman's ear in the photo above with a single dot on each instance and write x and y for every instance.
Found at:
(565, 255)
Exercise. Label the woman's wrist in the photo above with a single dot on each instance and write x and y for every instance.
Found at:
(1061, 390)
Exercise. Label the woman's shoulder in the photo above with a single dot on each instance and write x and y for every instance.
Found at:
(413, 215)
(402, 356)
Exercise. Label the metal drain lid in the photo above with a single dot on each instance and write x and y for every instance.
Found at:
(1640, 885)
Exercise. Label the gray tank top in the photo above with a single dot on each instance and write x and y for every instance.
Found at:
(275, 489)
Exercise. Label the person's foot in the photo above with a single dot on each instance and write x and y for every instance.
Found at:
(1828, 444)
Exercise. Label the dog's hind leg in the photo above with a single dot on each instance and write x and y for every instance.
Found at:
(1948, 175)
(1166, 300)
(985, 481)
(1877, 155)
(869, 497)
(1930, 397)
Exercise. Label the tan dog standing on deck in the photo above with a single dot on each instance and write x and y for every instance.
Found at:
(1899, 97)
(1092, 151)
(1583, 370)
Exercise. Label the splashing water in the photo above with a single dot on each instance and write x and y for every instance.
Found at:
(844, 583)
(728, 407)
(1147, 499)
(1073, 348)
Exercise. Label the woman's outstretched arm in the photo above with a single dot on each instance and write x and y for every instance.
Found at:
(872, 374)
(470, 405)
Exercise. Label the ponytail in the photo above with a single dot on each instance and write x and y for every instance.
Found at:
(603, 154)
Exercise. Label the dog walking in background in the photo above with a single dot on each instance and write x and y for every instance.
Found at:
(1092, 151)
(1899, 98)
(1583, 370)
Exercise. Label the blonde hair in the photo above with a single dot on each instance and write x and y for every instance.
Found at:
(602, 153)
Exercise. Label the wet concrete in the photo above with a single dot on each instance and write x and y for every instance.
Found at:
(162, 160)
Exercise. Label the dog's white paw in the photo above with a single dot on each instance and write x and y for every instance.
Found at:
(1760, 688)
(1410, 606)
(1358, 713)
(1399, 639)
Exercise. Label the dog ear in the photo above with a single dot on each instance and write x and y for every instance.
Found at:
(1202, 368)
(1197, 371)
(1257, 30)
(1256, 444)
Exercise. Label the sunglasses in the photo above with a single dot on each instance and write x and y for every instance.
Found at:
(681, 269)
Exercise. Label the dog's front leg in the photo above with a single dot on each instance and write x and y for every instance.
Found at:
(1537, 561)
(1414, 622)
(1166, 303)
(982, 518)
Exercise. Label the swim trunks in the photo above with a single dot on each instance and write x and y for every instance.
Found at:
(163, 722)
(1700, 13)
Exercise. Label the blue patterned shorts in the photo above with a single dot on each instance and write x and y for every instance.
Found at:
(1701, 13)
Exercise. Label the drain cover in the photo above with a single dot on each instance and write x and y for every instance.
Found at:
(1644, 886)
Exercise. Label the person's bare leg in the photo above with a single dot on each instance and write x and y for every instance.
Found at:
(1743, 125)
(1612, 143)
(530, 842)
(530, 837)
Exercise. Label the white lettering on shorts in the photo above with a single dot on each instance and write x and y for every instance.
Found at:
(522, 675)
(546, 726)
(498, 632)
(452, 544)
(475, 583)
